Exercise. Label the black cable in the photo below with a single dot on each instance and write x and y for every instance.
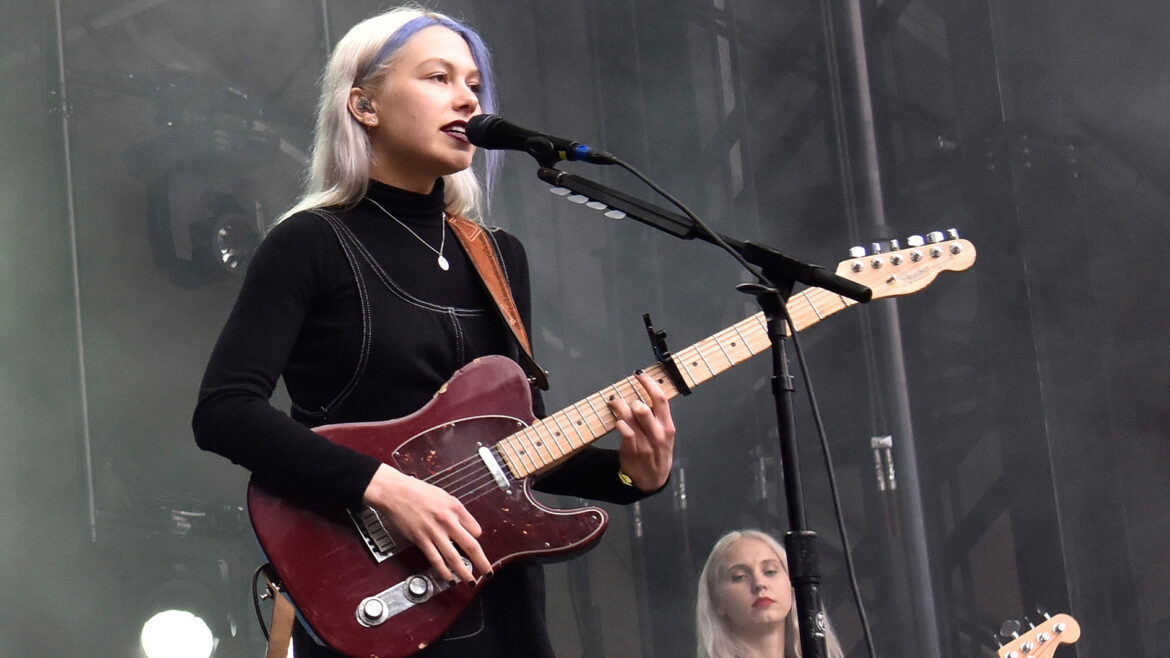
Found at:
(821, 433)
(256, 600)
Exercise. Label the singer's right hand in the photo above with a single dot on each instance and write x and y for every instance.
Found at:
(431, 519)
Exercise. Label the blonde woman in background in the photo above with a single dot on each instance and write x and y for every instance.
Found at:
(745, 603)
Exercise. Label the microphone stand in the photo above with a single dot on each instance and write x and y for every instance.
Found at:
(778, 275)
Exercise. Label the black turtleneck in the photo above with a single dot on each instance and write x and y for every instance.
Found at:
(300, 315)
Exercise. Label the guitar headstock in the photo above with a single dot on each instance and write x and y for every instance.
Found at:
(906, 271)
(1043, 640)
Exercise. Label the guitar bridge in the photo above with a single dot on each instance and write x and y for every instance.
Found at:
(378, 538)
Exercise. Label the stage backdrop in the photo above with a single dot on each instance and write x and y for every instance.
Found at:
(146, 145)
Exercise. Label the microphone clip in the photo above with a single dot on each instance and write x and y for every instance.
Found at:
(548, 153)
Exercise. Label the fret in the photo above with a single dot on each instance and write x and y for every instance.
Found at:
(555, 419)
(637, 389)
(523, 454)
(743, 340)
(730, 360)
(536, 445)
(683, 365)
(683, 369)
(580, 420)
(658, 374)
(514, 460)
(544, 424)
(589, 401)
(759, 318)
(812, 305)
(616, 393)
(704, 360)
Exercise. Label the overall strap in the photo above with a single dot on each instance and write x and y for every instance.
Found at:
(483, 256)
(352, 249)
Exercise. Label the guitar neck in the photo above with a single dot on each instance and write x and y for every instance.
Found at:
(558, 436)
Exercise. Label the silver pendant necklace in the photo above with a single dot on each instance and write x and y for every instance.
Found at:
(441, 260)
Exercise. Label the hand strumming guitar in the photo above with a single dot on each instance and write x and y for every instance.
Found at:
(431, 519)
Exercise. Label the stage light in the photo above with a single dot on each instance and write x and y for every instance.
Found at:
(186, 617)
(177, 634)
(233, 239)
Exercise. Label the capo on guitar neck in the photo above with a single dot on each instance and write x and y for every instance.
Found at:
(658, 344)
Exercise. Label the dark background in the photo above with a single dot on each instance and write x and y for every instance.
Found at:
(1025, 397)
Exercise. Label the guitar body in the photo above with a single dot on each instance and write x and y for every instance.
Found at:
(323, 560)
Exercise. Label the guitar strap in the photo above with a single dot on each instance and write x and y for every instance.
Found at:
(280, 635)
(478, 246)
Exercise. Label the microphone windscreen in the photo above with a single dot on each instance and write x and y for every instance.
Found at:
(485, 131)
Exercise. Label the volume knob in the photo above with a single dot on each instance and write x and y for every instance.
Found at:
(372, 611)
(418, 588)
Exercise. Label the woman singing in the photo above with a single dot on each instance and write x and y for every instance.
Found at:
(365, 303)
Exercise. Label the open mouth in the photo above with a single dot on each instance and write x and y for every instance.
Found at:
(457, 129)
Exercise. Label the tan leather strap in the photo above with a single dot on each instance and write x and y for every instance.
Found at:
(280, 635)
(479, 248)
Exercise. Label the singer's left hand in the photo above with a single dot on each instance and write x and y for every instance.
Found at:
(647, 430)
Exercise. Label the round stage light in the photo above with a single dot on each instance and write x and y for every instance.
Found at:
(177, 634)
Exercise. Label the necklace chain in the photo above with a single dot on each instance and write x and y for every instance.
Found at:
(441, 260)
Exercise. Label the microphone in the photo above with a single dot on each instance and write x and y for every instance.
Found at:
(489, 131)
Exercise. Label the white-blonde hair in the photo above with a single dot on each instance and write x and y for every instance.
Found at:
(715, 638)
(339, 168)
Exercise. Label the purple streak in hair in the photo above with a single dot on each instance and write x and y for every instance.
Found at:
(479, 53)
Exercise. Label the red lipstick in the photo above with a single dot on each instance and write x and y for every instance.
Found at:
(762, 602)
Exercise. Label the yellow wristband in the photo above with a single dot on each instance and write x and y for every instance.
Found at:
(625, 478)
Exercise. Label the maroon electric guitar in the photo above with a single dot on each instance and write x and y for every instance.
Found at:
(367, 592)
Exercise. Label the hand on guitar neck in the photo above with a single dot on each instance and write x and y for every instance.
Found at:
(647, 450)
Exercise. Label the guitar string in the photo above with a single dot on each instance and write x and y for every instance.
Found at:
(715, 346)
(481, 481)
(466, 482)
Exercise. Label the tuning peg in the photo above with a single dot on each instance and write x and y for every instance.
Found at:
(1010, 629)
(915, 241)
(953, 233)
(875, 248)
(857, 252)
(895, 245)
(934, 237)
